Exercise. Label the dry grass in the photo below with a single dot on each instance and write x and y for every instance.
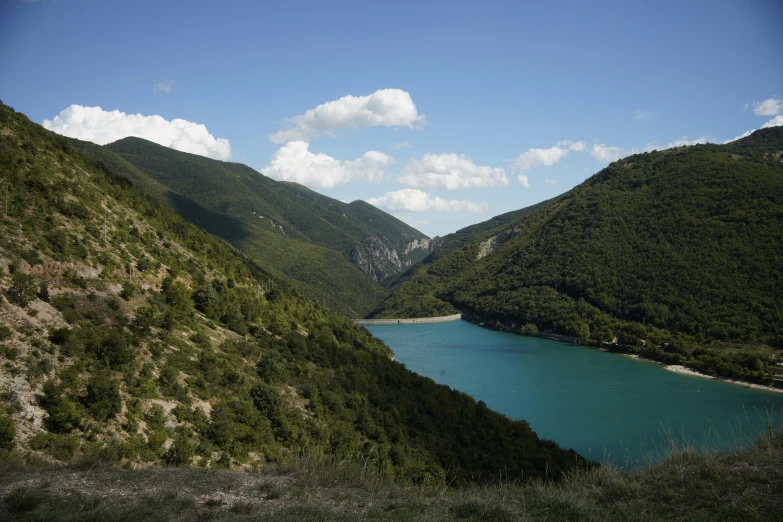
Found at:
(745, 484)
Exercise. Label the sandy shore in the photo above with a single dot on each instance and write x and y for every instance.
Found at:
(676, 368)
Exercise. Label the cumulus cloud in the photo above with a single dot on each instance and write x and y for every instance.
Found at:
(163, 87)
(685, 141)
(384, 107)
(576, 146)
(769, 107)
(606, 153)
(101, 127)
(414, 200)
(766, 108)
(538, 157)
(450, 172)
(777, 121)
(294, 162)
(402, 145)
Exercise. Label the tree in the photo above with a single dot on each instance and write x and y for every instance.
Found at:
(23, 289)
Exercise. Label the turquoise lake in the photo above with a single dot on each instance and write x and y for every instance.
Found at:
(604, 406)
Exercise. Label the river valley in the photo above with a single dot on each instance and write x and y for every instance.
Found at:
(604, 406)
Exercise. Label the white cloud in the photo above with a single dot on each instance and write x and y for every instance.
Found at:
(163, 86)
(538, 157)
(402, 145)
(603, 152)
(743, 135)
(385, 107)
(685, 141)
(777, 121)
(769, 107)
(101, 127)
(450, 172)
(412, 221)
(576, 146)
(414, 200)
(550, 182)
(294, 162)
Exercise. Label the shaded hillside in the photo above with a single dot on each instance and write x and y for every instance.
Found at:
(130, 336)
(685, 242)
(378, 239)
(317, 272)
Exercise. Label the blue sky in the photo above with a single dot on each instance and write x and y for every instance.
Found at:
(459, 111)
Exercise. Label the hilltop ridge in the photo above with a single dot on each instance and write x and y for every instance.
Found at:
(664, 253)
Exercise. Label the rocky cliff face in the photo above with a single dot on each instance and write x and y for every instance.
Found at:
(373, 257)
(376, 258)
(422, 243)
(495, 241)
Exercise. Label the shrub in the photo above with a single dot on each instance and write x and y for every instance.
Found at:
(5, 333)
(103, 396)
(61, 447)
(22, 500)
(113, 350)
(60, 336)
(180, 452)
(22, 290)
(43, 292)
(63, 414)
(7, 432)
(128, 289)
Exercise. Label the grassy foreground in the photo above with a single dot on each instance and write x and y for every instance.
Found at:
(746, 484)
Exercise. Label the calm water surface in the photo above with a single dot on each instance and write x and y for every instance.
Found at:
(602, 405)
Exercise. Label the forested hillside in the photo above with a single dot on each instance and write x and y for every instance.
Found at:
(375, 242)
(130, 336)
(442, 246)
(683, 248)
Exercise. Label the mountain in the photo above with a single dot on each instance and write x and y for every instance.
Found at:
(441, 246)
(377, 243)
(123, 343)
(673, 251)
(317, 272)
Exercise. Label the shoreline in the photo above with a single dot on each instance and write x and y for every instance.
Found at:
(677, 368)
(417, 320)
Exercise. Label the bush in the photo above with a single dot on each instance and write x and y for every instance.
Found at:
(59, 336)
(103, 397)
(63, 414)
(180, 452)
(22, 290)
(7, 433)
(128, 289)
(22, 500)
(113, 350)
(43, 292)
(61, 447)
(5, 333)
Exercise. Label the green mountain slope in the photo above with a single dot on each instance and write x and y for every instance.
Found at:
(122, 342)
(356, 230)
(682, 247)
(317, 272)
